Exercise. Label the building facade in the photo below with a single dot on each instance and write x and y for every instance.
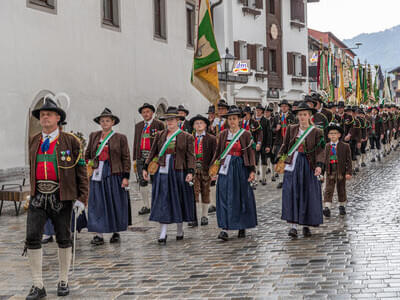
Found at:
(102, 53)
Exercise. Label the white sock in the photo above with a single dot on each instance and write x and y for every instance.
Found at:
(45, 236)
(213, 194)
(64, 259)
(179, 229)
(35, 263)
(145, 196)
(198, 210)
(328, 204)
(100, 235)
(204, 210)
(263, 172)
(163, 230)
(294, 226)
(344, 204)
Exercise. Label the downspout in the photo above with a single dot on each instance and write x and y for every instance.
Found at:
(214, 6)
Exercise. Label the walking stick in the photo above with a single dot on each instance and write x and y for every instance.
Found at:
(74, 250)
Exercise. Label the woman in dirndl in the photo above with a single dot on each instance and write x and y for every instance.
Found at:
(172, 162)
(303, 153)
(108, 153)
(236, 206)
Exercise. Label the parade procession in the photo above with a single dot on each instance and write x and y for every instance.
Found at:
(223, 196)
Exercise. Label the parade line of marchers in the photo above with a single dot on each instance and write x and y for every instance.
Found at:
(193, 167)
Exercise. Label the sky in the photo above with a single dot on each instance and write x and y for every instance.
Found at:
(348, 18)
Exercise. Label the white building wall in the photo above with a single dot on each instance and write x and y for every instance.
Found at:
(71, 52)
(294, 40)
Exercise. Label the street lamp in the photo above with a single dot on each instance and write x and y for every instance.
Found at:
(358, 44)
(226, 67)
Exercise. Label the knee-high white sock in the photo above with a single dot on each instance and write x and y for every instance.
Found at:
(144, 191)
(328, 204)
(64, 259)
(263, 172)
(204, 210)
(213, 195)
(179, 229)
(35, 263)
(163, 231)
(198, 210)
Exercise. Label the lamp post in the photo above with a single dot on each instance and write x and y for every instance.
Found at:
(226, 67)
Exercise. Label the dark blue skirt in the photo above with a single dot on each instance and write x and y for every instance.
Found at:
(301, 195)
(236, 206)
(172, 197)
(108, 203)
(81, 223)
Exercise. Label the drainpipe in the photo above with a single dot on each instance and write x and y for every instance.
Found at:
(214, 6)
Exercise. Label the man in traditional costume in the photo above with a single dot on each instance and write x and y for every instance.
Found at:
(145, 133)
(59, 184)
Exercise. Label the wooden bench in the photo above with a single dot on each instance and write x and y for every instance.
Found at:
(15, 192)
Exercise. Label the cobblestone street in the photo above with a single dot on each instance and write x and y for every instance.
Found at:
(357, 256)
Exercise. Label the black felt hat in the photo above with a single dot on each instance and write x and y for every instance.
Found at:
(233, 111)
(146, 105)
(199, 117)
(304, 106)
(172, 113)
(334, 126)
(50, 105)
(107, 113)
(182, 108)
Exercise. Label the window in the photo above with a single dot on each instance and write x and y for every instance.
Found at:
(272, 60)
(297, 64)
(160, 30)
(260, 58)
(44, 5)
(272, 7)
(297, 10)
(190, 17)
(243, 50)
(111, 13)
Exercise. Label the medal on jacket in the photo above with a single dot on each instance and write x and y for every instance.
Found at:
(63, 155)
(68, 155)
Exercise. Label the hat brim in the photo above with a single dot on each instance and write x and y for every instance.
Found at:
(184, 110)
(288, 104)
(147, 106)
(115, 118)
(59, 111)
(172, 116)
(312, 110)
(239, 114)
(205, 120)
(329, 128)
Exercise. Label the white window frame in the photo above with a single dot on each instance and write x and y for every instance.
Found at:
(37, 4)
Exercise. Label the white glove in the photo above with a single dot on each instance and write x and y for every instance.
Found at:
(79, 207)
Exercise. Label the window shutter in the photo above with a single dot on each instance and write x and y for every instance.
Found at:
(300, 11)
(293, 4)
(290, 63)
(236, 47)
(115, 11)
(304, 65)
(259, 4)
(252, 55)
(266, 57)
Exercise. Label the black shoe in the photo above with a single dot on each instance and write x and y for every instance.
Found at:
(115, 238)
(204, 221)
(62, 289)
(342, 210)
(268, 170)
(212, 209)
(384, 154)
(293, 233)
(273, 178)
(363, 164)
(163, 241)
(277, 175)
(306, 232)
(354, 172)
(327, 212)
(36, 293)
(280, 184)
(48, 240)
(144, 210)
(379, 158)
(97, 241)
(264, 182)
(373, 160)
(193, 224)
(357, 169)
(241, 233)
(180, 237)
(223, 236)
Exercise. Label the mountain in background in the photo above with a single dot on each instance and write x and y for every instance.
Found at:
(381, 47)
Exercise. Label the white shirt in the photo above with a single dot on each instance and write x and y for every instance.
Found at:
(52, 135)
(202, 134)
(148, 122)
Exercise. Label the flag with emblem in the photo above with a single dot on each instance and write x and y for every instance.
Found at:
(206, 56)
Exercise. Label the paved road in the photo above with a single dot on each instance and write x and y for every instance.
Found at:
(357, 256)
